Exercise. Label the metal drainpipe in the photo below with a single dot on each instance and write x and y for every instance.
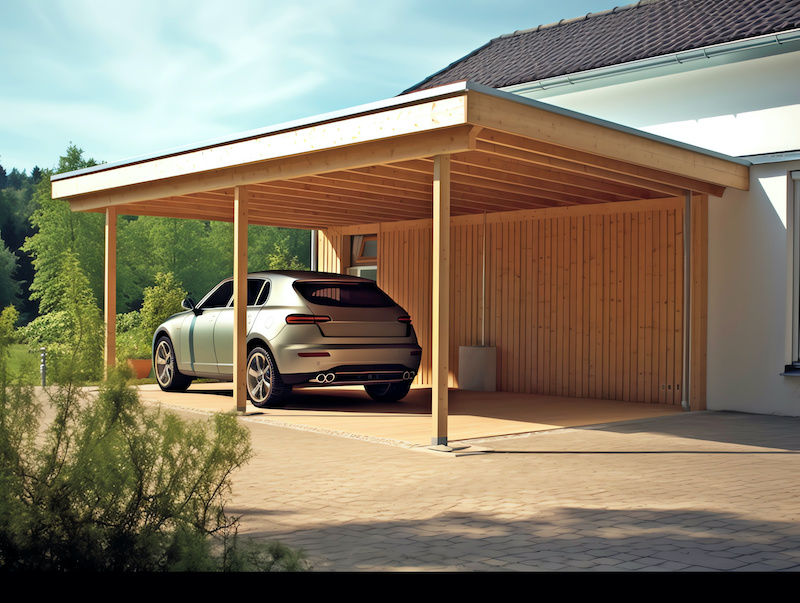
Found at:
(687, 298)
(483, 286)
(314, 250)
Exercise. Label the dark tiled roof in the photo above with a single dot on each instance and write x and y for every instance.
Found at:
(649, 28)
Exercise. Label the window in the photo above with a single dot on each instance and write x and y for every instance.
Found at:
(364, 256)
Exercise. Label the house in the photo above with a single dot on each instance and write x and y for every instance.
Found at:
(583, 218)
(723, 75)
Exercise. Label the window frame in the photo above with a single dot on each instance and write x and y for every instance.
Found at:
(793, 266)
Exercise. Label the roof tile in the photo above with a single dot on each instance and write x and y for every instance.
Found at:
(649, 28)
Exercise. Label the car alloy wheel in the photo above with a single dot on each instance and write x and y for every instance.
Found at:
(167, 374)
(264, 385)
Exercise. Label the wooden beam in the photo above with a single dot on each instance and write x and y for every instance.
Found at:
(110, 288)
(513, 170)
(441, 297)
(240, 221)
(449, 140)
(578, 163)
(604, 140)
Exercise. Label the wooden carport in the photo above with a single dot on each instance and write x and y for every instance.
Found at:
(453, 152)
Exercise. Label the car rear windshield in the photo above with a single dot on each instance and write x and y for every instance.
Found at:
(358, 295)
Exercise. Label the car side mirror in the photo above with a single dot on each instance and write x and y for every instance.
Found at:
(188, 304)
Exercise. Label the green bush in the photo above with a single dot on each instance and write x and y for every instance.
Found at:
(72, 331)
(135, 329)
(116, 486)
(161, 301)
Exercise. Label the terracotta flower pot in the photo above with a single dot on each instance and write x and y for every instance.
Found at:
(141, 367)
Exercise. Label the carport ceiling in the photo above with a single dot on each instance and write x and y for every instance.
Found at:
(374, 164)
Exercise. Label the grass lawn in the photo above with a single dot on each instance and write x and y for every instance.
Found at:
(25, 362)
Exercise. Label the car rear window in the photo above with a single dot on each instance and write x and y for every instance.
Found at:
(358, 295)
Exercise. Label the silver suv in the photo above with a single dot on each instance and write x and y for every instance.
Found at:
(304, 329)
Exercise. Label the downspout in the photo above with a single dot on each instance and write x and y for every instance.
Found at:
(687, 298)
(314, 234)
(483, 286)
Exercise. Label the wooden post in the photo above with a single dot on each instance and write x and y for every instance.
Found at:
(240, 219)
(687, 301)
(441, 296)
(110, 290)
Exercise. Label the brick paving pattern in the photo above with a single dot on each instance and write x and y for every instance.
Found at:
(695, 491)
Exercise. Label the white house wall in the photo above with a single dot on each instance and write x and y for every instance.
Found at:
(747, 297)
(738, 109)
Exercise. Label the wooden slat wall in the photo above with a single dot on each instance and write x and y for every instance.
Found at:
(331, 254)
(582, 301)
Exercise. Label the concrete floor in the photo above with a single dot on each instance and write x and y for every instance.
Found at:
(349, 411)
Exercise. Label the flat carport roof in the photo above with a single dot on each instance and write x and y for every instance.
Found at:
(455, 150)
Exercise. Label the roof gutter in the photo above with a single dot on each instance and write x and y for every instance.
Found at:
(726, 52)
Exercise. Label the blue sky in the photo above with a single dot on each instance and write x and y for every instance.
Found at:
(121, 79)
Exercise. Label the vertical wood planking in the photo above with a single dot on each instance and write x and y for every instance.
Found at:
(586, 302)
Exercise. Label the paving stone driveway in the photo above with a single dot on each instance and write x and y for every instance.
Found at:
(695, 491)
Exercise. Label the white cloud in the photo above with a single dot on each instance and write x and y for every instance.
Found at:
(126, 78)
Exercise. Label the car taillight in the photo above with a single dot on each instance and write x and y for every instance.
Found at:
(306, 319)
(405, 319)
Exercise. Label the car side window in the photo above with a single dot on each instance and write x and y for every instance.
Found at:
(220, 297)
(254, 287)
(263, 295)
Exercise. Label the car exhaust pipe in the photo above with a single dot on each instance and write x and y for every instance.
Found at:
(325, 378)
(408, 375)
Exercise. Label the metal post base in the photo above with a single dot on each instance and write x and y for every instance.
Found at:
(439, 441)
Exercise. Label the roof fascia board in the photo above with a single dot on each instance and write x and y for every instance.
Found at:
(448, 141)
(697, 58)
(422, 96)
(439, 113)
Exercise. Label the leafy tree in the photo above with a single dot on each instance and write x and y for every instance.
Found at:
(16, 179)
(8, 321)
(135, 329)
(149, 245)
(9, 287)
(72, 330)
(73, 160)
(14, 227)
(281, 258)
(161, 301)
(59, 230)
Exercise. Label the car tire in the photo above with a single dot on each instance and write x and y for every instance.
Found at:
(169, 378)
(388, 392)
(265, 388)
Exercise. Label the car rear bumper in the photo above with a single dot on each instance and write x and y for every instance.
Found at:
(352, 375)
(347, 364)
